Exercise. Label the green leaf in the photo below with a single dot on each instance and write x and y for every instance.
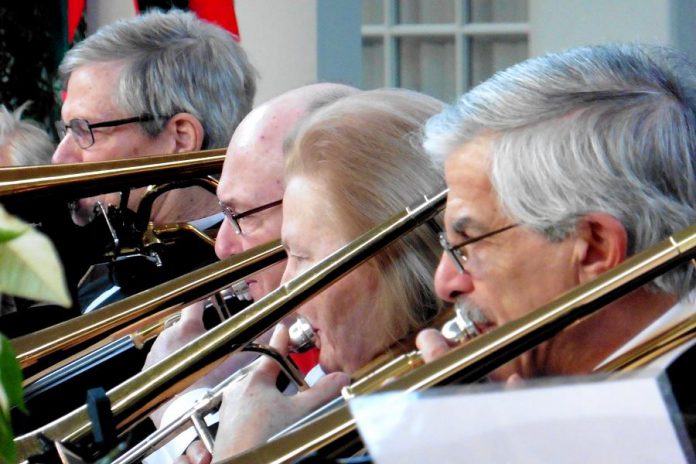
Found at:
(7, 446)
(10, 395)
(10, 227)
(29, 267)
(10, 374)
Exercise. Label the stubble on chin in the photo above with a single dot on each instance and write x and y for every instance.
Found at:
(81, 213)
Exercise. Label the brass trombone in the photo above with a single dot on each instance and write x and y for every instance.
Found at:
(177, 292)
(134, 337)
(299, 331)
(302, 338)
(87, 179)
(68, 181)
(134, 398)
(334, 432)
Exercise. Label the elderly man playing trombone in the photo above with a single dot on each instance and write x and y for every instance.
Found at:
(144, 86)
(252, 180)
(560, 168)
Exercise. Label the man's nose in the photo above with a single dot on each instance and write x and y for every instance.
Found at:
(67, 151)
(228, 242)
(288, 274)
(449, 281)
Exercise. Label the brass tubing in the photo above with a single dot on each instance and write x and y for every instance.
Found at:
(179, 291)
(85, 179)
(483, 354)
(487, 352)
(142, 393)
(138, 333)
(653, 348)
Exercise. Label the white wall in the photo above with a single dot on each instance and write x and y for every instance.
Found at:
(280, 37)
(100, 12)
(556, 25)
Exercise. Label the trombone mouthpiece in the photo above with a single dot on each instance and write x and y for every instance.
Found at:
(302, 335)
(464, 326)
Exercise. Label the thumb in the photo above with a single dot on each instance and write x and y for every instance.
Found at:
(323, 391)
(514, 381)
(193, 313)
(279, 341)
(432, 344)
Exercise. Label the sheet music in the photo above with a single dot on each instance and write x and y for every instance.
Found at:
(621, 421)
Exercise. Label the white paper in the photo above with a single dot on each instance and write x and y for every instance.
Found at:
(623, 421)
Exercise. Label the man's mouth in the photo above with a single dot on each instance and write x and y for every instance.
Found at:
(469, 322)
(317, 332)
(241, 290)
(81, 211)
(317, 338)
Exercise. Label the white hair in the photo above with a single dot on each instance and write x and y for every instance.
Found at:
(608, 128)
(23, 142)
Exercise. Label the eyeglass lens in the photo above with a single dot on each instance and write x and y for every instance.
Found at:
(81, 131)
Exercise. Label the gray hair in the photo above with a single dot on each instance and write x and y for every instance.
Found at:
(608, 128)
(174, 62)
(23, 142)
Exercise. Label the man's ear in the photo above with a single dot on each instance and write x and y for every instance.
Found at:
(602, 243)
(186, 131)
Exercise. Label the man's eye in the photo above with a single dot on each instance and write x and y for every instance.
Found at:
(247, 220)
(458, 236)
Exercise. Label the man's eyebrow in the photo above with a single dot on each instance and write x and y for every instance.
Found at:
(466, 222)
(234, 205)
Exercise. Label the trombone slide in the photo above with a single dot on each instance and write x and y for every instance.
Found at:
(142, 393)
(478, 357)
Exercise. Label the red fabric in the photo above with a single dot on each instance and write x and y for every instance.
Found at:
(307, 360)
(217, 11)
(75, 10)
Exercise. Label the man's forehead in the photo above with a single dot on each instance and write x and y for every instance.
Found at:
(249, 181)
(471, 199)
(91, 91)
(248, 129)
(468, 166)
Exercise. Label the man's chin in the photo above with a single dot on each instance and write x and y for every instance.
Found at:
(257, 290)
(81, 215)
(503, 373)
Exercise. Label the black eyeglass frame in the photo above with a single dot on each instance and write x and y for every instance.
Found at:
(62, 128)
(235, 217)
(455, 253)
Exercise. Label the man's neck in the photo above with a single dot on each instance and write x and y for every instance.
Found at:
(183, 205)
(584, 345)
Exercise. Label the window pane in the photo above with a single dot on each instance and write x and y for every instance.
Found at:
(426, 12)
(498, 11)
(427, 65)
(372, 11)
(373, 63)
(491, 54)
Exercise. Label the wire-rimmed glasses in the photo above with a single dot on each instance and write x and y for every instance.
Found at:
(457, 252)
(82, 129)
(235, 217)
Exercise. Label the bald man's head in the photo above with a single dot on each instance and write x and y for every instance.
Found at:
(252, 174)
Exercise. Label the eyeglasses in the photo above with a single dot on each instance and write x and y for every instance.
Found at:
(457, 252)
(82, 129)
(235, 217)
